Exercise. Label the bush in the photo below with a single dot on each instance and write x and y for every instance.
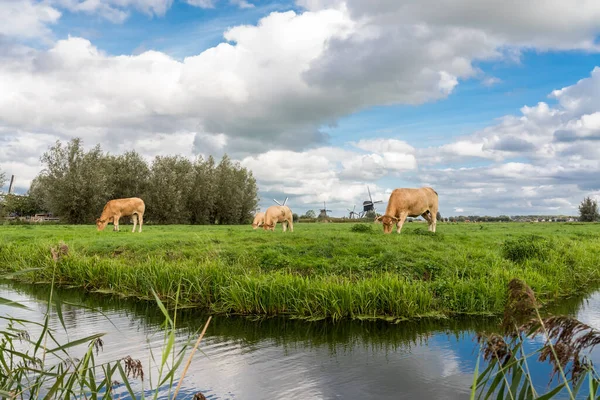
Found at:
(526, 247)
(362, 228)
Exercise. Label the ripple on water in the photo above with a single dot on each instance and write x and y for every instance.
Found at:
(282, 359)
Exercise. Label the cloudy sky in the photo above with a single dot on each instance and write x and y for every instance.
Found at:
(496, 103)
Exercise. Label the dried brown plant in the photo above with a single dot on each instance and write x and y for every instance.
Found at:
(134, 367)
(521, 306)
(567, 340)
(494, 347)
(59, 251)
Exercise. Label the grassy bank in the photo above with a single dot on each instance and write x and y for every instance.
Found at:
(319, 270)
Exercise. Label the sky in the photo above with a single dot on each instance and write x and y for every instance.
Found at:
(495, 104)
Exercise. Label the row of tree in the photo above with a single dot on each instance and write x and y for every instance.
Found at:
(76, 184)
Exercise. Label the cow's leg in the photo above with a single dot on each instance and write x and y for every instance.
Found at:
(140, 221)
(427, 215)
(291, 224)
(433, 220)
(134, 218)
(116, 223)
(284, 224)
(401, 221)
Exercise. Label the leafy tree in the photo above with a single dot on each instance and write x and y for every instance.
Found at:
(19, 205)
(73, 184)
(295, 217)
(201, 199)
(127, 175)
(168, 190)
(438, 216)
(310, 214)
(371, 214)
(76, 184)
(588, 210)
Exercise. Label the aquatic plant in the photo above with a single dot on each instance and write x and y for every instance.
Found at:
(566, 343)
(42, 366)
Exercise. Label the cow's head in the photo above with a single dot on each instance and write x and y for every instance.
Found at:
(254, 226)
(101, 224)
(388, 222)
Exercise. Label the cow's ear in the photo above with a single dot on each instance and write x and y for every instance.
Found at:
(379, 218)
(396, 219)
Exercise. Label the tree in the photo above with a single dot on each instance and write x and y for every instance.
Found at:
(73, 183)
(21, 206)
(588, 210)
(438, 217)
(127, 175)
(310, 214)
(168, 190)
(295, 217)
(371, 214)
(201, 195)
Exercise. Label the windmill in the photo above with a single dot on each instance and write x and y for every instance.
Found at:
(11, 185)
(323, 213)
(285, 201)
(369, 205)
(353, 214)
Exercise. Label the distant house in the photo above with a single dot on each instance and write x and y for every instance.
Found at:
(44, 217)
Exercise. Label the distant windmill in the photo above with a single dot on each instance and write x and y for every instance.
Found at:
(353, 214)
(285, 201)
(369, 205)
(323, 213)
(12, 184)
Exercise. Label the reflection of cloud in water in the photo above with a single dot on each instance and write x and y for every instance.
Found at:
(322, 372)
(280, 359)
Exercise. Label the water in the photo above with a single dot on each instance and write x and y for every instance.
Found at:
(287, 359)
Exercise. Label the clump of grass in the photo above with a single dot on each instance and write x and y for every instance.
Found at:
(425, 232)
(362, 228)
(527, 247)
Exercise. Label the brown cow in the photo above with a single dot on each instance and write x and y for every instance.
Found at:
(259, 220)
(406, 202)
(275, 214)
(115, 209)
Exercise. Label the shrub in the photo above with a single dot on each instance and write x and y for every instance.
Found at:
(526, 247)
(362, 228)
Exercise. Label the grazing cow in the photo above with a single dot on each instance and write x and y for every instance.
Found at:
(410, 203)
(259, 220)
(275, 214)
(115, 209)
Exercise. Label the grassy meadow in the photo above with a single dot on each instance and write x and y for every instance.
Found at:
(319, 270)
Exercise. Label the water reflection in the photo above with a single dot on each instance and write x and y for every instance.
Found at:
(282, 358)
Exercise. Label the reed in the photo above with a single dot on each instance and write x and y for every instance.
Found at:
(36, 362)
(566, 346)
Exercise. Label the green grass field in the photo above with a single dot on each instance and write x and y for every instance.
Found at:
(319, 270)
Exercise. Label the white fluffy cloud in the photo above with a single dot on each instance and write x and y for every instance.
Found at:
(115, 10)
(545, 24)
(542, 161)
(266, 92)
(26, 18)
(324, 174)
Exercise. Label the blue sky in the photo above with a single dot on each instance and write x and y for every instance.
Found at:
(319, 102)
